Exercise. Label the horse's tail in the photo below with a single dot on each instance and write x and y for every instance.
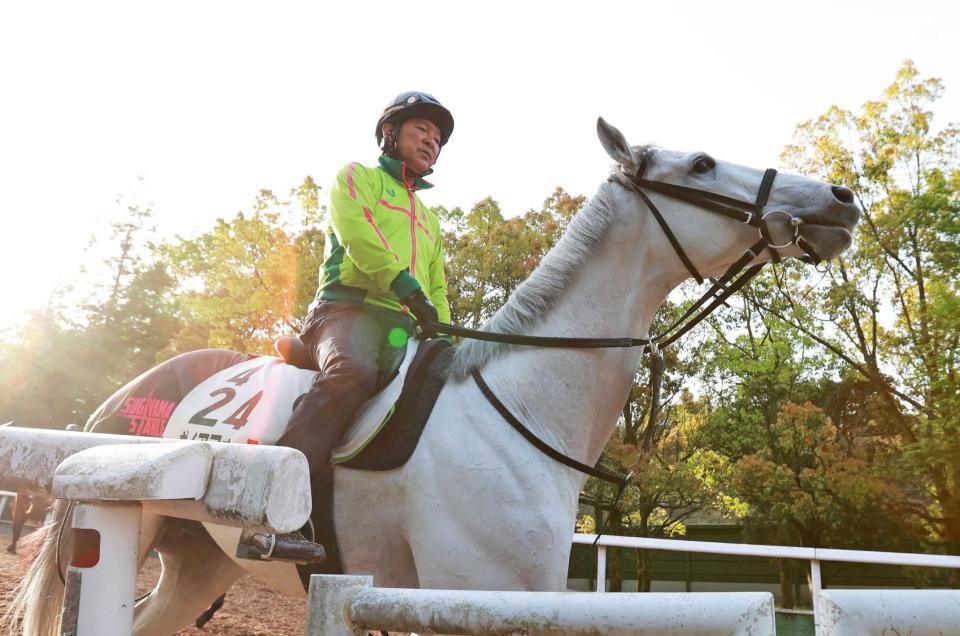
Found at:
(38, 598)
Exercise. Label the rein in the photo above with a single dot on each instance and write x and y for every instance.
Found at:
(600, 472)
(732, 280)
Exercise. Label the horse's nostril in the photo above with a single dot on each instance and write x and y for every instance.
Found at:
(841, 194)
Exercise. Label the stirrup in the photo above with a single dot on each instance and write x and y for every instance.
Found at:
(246, 549)
(263, 547)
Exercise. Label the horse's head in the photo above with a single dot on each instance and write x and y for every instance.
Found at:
(716, 209)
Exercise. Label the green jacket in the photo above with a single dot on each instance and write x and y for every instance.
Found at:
(382, 241)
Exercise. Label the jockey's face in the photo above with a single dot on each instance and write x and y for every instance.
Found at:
(418, 143)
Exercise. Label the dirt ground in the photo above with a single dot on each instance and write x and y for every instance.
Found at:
(250, 609)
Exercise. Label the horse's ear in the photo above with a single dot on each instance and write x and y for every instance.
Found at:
(616, 145)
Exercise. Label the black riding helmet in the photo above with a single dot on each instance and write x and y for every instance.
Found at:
(416, 104)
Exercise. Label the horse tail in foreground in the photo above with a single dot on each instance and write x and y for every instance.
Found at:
(38, 598)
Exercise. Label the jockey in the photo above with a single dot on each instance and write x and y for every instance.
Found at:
(382, 274)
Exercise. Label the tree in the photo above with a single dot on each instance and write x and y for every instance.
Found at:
(249, 279)
(488, 256)
(891, 303)
(806, 489)
(807, 479)
(91, 339)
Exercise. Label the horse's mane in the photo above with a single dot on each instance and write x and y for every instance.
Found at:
(531, 301)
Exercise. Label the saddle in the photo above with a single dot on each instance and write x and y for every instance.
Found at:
(385, 432)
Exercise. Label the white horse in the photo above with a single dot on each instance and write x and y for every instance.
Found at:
(477, 506)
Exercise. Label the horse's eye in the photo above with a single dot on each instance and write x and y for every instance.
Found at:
(703, 164)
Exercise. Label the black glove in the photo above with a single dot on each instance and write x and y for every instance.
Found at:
(422, 309)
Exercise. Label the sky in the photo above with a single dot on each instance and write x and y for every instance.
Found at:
(191, 108)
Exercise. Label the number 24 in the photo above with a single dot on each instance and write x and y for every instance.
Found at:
(238, 418)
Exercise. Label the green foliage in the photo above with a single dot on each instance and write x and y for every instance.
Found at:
(889, 307)
(488, 255)
(249, 279)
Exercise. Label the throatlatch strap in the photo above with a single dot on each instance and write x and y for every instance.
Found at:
(670, 237)
(600, 472)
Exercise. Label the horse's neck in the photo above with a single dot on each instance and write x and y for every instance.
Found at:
(572, 398)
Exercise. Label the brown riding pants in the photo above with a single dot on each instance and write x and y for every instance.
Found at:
(357, 348)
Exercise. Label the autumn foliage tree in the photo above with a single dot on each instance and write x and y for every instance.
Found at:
(249, 279)
(887, 311)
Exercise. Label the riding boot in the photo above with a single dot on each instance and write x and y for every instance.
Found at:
(291, 547)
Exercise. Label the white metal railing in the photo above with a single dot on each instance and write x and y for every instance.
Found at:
(813, 555)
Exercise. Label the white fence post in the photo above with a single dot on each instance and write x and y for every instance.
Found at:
(102, 577)
(601, 568)
(816, 586)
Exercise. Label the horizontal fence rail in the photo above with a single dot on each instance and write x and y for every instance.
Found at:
(347, 605)
(772, 551)
(914, 612)
(114, 480)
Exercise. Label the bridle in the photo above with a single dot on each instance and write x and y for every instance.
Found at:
(731, 281)
(738, 274)
(752, 214)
